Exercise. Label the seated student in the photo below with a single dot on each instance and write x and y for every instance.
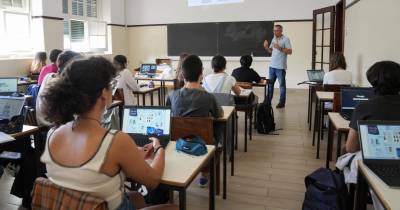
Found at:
(38, 63)
(125, 79)
(50, 68)
(338, 74)
(192, 100)
(83, 156)
(245, 73)
(219, 81)
(179, 76)
(384, 77)
(63, 59)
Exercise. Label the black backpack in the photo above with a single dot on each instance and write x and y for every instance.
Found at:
(326, 190)
(265, 118)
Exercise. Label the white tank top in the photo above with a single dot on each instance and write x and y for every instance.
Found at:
(87, 177)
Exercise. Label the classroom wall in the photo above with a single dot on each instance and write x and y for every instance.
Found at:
(142, 12)
(146, 43)
(372, 34)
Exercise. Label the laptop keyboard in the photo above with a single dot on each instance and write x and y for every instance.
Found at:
(391, 170)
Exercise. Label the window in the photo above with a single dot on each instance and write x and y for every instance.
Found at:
(84, 30)
(15, 32)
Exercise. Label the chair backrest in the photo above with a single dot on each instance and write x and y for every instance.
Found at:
(164, 60)
(224, 99)
(119, 95)
(49, 196)
(245, 85)
(199, 126)
(30, 117)
(336, 102)
(334, 88)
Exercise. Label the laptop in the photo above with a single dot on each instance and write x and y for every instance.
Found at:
(8, 86)
(316, 76)
(380, 146)
(11, 106)
(351, 97)
(141, 123)
(148, 69)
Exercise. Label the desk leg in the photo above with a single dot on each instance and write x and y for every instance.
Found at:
(321, 104)
(151, 98)
(315, 121)
(224, 149)
(182, 199)
(163, 92)
(339, 144)
(212, 184)
(309, 105)
(233, 116)
(236, 130)
(311, 109)
(245, 131)
(330, 144)
(159, 97)
(138, 99)
(360, 202)
(144, 99)
(321, 125)
(251, 124)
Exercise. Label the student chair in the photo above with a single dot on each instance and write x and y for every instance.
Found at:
(202, 127)
(49, 196)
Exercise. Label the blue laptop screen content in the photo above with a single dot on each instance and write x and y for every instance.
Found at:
(148, 69)
(352, 97)
(10, 107)
(8, 85)
(380, 141)
(151, 122)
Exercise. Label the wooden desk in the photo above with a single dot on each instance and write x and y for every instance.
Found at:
(389, 197)
(157, 78)
(181, 169)
(312, 87)
(247, 108)
(321, 98)
(26, 83)
(229, 113)
(341, 125)
(146, 90)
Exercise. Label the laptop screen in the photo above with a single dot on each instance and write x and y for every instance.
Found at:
(149, 121)
(315, 75)
(380, 141)
(351, 97)
(8, 85)
(11, 106)
(148, 69)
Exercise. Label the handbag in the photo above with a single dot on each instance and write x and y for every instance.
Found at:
(192, 145)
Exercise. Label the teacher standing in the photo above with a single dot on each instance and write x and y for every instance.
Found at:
(280, 47)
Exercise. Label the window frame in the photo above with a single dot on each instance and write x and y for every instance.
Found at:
(24, 10)
(86, 19)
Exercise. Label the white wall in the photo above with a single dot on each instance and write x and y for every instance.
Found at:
(372, 34)
(146, 43)
(114, 11)
(142, 12)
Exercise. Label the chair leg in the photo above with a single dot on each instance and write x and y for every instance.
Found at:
(218, 178)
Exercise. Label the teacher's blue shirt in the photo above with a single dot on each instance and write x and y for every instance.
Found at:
(279, 58)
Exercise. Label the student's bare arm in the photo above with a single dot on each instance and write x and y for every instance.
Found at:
(134, 165)
(352, 144)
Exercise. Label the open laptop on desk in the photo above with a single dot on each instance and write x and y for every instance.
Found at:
(8, 86)
(380, 146)
(316, 76)
(148, 70)
(142, 122)
(351, 97)
(11, 106)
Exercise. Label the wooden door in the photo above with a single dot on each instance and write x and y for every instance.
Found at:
(323, 37)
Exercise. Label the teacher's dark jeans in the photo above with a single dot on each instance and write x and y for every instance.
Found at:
(279, 74)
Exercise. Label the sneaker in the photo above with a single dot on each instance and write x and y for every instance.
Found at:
(280, 106)
(203, 182)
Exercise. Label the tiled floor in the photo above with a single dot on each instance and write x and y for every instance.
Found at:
(270, 176)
